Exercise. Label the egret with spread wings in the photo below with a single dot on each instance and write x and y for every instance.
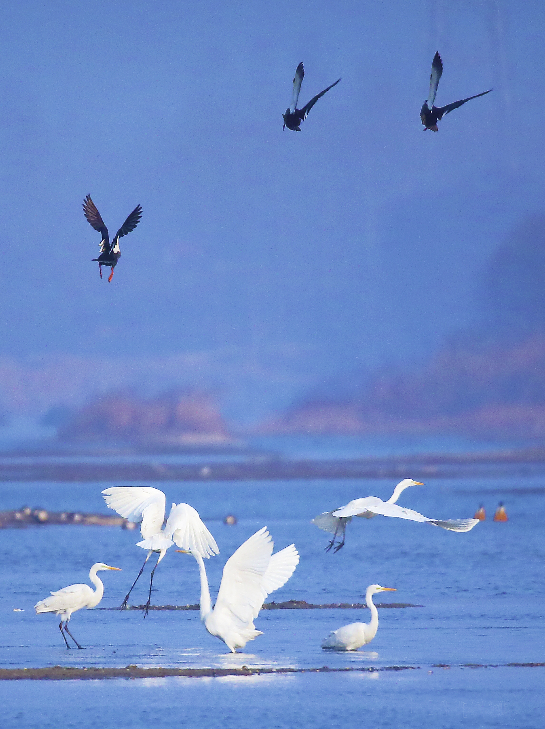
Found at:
(249, 575)
(109, 251)
(431, 114)
(184, 526)
(369, 506)
(294, 116)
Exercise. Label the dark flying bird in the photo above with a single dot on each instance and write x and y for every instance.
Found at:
(431, 114)
(294, 116)
(109, 252)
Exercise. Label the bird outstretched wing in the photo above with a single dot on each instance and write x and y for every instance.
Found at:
(436, 72)
(297, 81)
(327, 522)
(130, 224)
(186, 528)
(441, 111)
(377, 506)
(241, 592)
(93, 217)
(138, 504)
(455, 525)
(305, 110)
(280, 569)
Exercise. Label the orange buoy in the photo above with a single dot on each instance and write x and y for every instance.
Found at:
(500, 514)
(480, 514)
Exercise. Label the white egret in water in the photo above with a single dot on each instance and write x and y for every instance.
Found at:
(184, 526)
(74, 597)
(249, 575)
(369, 506)
(353, 636)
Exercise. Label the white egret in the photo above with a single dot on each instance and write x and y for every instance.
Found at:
(353, 636)
(184, 526)
(369, 506)
(74, 597)
(249, 575)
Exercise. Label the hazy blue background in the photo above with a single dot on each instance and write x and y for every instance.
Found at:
(266, 261)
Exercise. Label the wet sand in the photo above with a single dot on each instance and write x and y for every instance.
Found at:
(61, 673)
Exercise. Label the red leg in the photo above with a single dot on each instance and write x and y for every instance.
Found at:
(110, 277)
(100, 269)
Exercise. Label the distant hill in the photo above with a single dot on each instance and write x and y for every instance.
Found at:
(489, 381)
(168, 419)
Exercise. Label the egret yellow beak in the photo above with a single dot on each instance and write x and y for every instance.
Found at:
(184, 551)
(418, 483)
(390, 589)
(115, 568)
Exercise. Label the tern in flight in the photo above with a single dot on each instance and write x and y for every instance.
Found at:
(431, 114)
(294, 116)
(109, 251)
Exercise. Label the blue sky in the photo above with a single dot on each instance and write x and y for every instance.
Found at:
(266, 261)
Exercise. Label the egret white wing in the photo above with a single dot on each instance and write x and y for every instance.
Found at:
(241, 592)
(186, 528)
(281, 567)
(138, 503)
(361, 507)
(456, 525)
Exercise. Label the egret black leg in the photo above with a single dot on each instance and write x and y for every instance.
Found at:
(124, 603)
(342, 525)
(70, 634)
(63, 635)
(146, 608)
(332, 542)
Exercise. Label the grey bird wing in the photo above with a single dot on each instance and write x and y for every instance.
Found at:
(436, 71)
(297, 81)
(305, 110)
(441, 111)
(93, 217)
(130, 224)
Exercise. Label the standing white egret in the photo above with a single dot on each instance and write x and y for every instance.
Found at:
(353, 636)
(184, 526)
(369, 506)
(74, 597)
(249, 575)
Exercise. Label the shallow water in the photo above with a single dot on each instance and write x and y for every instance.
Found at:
(481, 599)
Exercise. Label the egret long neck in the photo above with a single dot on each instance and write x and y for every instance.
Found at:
(206, 603)
(398, 491)
(99, 591)
(373, 625)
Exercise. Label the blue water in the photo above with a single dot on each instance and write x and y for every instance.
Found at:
(481, 599)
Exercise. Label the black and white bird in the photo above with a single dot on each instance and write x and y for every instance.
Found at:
(294, 116)
(431, 114)
(109, 251)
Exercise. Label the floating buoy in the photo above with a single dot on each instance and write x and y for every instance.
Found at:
(500, 514)
(230, 520)
(480, 514)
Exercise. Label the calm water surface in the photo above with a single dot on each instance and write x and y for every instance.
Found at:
(479, 599)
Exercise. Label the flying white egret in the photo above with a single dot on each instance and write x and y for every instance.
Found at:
(74, 597)
(249, 575)
(353, 636)
(184, 526)
(369, 506)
